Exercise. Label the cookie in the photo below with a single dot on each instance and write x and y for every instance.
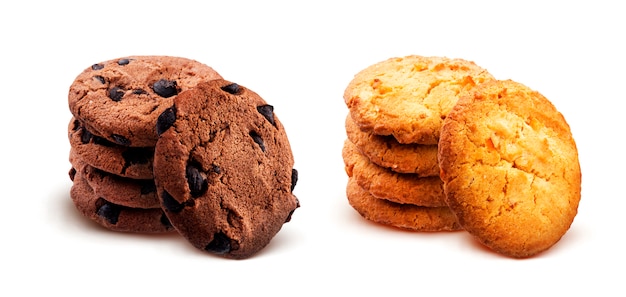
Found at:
(131, 162)
(510, 168)
(136, 193)
(224, 169)
(383, 183)
(116, 217)
(387, 152)
(405, 216)
(120, 99)
(409, 97)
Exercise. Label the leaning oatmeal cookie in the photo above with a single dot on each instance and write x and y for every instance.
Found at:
(223, 168)
(405, 216)
(120, 99)
(409, 97)
(510, 168)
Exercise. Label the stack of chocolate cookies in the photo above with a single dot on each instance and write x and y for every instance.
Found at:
(115, 105)
(396, 110)
(162, 143)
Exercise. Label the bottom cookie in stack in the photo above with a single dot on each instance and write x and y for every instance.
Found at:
(115, 202)
(403, 200)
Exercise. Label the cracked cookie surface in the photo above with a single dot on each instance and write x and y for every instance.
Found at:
(409, 97)
(223, 169)
(510, 168)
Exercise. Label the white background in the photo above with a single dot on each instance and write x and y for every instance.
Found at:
(300, 56)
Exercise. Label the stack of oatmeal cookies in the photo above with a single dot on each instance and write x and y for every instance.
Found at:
(396, 111)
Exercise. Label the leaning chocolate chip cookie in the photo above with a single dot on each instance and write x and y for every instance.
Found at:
(223, 168)
(510, 168)
(120, 99)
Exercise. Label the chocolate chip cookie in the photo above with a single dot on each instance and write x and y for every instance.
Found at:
(116, 217)
(130, 162)
(120, 99)
(223, 168)
(136, 193)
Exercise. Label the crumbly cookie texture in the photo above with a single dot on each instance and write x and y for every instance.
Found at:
(405, 216)
(387, 152)
(223, 169)
(403, 188)
(120, 99)
(409, 97)
(510, 168)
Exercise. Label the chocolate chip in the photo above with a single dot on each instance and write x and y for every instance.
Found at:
(147, 187)
(165, 120)
(216, 169)
(72, 173)
(102, 141)
(165, 221)
(268, 112)
(97, 66)
(138, 155)
(75, 125)
(139, 92)
(257, 138)
(121, 140)
(86, 136)
(170, 203)
(220, 244)
(116, 94)
(100, 79)
(109, 211)
(232, 89)
(165, 88)
(294, 178)
(197, 181)
(122, 62)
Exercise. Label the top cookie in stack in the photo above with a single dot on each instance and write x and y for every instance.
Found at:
(120, 100)
(396, 111)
